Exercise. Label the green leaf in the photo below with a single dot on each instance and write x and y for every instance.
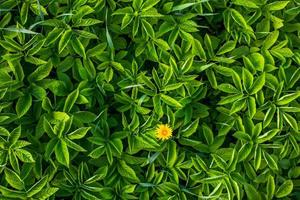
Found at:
(11, 193)
(126, 20)
(173, 86)
(14, 161)
(230, 99)
(258, 84)
(237, 106)
(186, 66)
(117, 145)
(117, 66)
(212, 78)
(295, 77)
(219, 161)
(74, 146)
(36, 47)
(251, 106)
(24, 155)
(62, 153)
(109, 154)
(228, 88)
(123, 11)
(172, 154)
(137, 4)
(199, 164)
(287, 98)
(212, 179)
(244, 151)
(157, 105)
(96, 50)
(270, 161)
(285, 189)
(46, 193)
(85, 116)
(83, 34)
(149, 4)
(13, 179)
(294, 172)
(247, 79)
(198, 50)
(245, 3)
(236, 79)
(184, 6)
(208, 134)
(257, 157)
(127, 172)
(97, 152)
(290, 109)
(270, 40)
(87, 22)
(277, 5)
(50, 147)
(37, 187)
(14, 135)
(238, 18)
(35, 60)
(291, 121)
(23, 105)
(270, 187)
(70, 101)
(162, 44)
(48, 128)
(78, 47)
(40, 73)
(258, 61)
(148, 29)
(53, 36)
(242, 136)
(88, 195)
(227, 47)
(267, 136)
(24, 12)
(20, 30)
(10, 45)
(170, 101)
(4, 132)
(269, 115)
(190, 129)
(248, 64)
(100, 174)
(64, 40)
(79, 133)
(252, 192)
(167, 75)
(208, 45)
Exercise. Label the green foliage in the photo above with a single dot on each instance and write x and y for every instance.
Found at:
(84, 85)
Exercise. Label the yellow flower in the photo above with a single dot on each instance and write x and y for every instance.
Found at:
(163, 132)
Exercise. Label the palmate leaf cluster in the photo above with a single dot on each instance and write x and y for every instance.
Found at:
(84, 84)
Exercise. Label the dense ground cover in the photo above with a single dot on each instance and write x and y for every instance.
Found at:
(149, 99)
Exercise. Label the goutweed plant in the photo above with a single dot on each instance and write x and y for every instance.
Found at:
(149, 99)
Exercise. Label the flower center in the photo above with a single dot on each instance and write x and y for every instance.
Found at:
(164, 132)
